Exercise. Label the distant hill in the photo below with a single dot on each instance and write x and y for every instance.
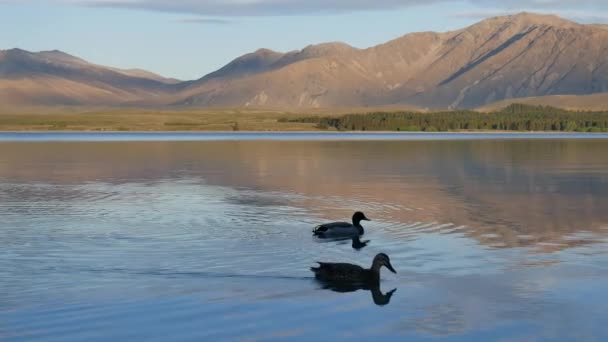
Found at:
(56, 78)
(597, 102)
(502, 58)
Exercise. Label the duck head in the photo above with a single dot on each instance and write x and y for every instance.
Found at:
(358, 217)
(382, 260)
(380, 298)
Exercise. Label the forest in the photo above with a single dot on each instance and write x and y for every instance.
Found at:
(516, 117)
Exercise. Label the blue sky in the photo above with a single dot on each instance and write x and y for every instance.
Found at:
(190, 38)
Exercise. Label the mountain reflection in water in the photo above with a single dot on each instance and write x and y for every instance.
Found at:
(493, 239)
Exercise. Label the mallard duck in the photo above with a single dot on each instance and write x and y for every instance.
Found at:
(342, 229)
(358, 244)
(349, 273)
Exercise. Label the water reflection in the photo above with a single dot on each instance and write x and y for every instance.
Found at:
(490, 238)
(357, 244)
(378, 297)
(508, 193)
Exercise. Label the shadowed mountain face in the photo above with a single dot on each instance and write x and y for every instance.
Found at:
(524, 55)
(56, 78)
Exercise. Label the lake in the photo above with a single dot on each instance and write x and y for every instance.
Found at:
(190, 237)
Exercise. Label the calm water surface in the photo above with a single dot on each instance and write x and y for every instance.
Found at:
(493, 238)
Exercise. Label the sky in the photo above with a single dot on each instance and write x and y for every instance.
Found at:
(187, 39)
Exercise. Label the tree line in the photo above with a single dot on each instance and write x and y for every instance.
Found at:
(516, 117)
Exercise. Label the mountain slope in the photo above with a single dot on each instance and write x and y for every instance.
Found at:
(499, 58)
(56, 78)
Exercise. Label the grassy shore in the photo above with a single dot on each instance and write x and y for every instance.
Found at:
(516, 117)
(75, 119)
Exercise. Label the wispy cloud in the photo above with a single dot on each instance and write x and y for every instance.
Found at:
(233, 8)
(258, 7)
(204, 21)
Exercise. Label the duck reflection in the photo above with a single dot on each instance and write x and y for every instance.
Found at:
(379, 298)
(358, 244)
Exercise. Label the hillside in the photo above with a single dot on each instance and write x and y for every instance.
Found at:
(498, 59)
(56, 78)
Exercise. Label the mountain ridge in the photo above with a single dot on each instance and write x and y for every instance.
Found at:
(455, 69)
(500, 58)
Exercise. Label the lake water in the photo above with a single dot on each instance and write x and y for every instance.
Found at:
(208, 237)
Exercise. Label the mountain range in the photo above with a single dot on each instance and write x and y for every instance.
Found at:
(497, 59)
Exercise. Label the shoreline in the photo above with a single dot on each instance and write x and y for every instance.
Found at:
(298, 132)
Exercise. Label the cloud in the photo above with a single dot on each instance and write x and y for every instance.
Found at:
(258, 7)
(204, 21)
(234, 8)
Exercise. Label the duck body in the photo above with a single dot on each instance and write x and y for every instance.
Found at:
(341, 229)
(343, 273)
(337, 230)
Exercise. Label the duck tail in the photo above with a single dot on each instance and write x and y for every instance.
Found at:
(319, 230)
(316, 269)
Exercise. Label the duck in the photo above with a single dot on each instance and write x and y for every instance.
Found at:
(343, 273)
(342, 229)
(358, 244)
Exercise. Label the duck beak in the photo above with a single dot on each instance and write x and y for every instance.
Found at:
(366, 219)
(390, 267)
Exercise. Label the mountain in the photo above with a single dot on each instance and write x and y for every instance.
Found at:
(501, 58)
(249, 64)
(140, 73)
(56, 78)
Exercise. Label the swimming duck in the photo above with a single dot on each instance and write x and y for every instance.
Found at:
(358, 244)
(349, 273)
(341, 229)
